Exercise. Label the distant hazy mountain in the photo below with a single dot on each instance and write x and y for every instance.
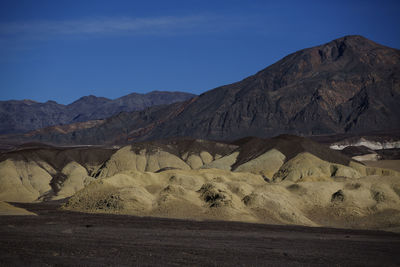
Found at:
(349, 85)
(27, 115)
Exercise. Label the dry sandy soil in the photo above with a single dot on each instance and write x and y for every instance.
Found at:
(64, 238)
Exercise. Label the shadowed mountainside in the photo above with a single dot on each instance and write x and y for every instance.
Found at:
(349, 85)
(27, 115)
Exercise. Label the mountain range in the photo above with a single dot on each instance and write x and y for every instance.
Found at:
(212, 157)
(27, 115)
(349, 85)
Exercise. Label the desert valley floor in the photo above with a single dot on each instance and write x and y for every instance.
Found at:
(62, 238)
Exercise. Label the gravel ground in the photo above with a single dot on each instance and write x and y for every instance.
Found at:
(62, 238)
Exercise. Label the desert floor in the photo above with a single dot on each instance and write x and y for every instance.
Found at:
(58, 237)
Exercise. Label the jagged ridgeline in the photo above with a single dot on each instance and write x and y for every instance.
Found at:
(27, 115)
(349, 85)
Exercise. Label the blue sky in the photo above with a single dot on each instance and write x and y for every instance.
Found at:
(62, 50)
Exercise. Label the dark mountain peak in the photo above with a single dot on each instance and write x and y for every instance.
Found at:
(26, 115)
(159, 93)
(346, 56)
(134, 94)
(348, 85)
(154, 97)
(357, 42)
(29, 102)
(90, 99)
(156, 92)
(359, 48)
(352, 40)
(51, 102)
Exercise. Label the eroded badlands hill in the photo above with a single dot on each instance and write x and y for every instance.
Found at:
(284, 180)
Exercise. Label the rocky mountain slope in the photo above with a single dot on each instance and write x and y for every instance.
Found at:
(349, 85)
(26, 115)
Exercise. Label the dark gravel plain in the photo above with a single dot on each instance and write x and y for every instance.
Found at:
(63, 238)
